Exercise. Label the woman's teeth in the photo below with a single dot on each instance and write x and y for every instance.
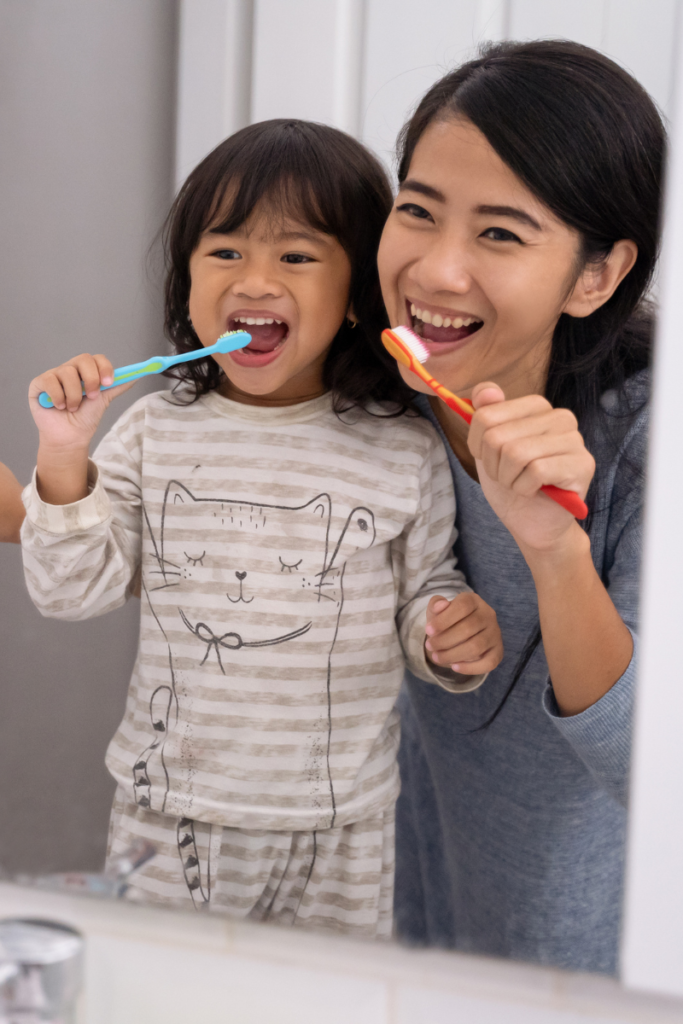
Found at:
(442, 321)
(256, 321)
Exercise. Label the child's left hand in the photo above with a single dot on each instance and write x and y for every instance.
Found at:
(463, 635)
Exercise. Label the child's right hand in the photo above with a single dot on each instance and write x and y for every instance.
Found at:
(71, 424)
(67, 429)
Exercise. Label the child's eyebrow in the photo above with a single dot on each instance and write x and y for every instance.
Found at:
(295, 235)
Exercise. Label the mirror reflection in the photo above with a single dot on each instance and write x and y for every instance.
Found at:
(361, 564)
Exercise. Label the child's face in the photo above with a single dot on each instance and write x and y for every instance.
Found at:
(293, 281)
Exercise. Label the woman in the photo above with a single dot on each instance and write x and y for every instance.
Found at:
(520, 247)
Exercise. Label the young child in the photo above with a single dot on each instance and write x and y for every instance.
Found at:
(11, 508)
(294, 531)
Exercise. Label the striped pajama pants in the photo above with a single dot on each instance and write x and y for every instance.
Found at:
(339, 879)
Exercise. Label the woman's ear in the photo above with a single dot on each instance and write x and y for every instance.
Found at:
(597, 284)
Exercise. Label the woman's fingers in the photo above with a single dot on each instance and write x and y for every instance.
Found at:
(527, 463)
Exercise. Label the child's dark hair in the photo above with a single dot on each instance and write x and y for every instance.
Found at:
(319, 175)
(585, 138)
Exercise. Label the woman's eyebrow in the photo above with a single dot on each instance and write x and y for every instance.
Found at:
(413, 185)
(509, 211)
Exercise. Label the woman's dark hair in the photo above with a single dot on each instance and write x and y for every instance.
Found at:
(316, 174)
(588, 141)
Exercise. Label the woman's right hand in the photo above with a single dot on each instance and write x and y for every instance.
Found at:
(67, 429)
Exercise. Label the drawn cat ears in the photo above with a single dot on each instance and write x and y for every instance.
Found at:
(319, 507)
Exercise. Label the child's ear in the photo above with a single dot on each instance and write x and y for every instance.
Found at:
(597, 284)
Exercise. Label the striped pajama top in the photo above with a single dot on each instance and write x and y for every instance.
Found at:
(287, 557)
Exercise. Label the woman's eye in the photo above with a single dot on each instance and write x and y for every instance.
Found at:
(296, 257)
(227, 254)
(500, 235)
(415, 211)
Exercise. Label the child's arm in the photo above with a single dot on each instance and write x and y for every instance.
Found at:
(464, 630)
(82, 534)
(11, 508)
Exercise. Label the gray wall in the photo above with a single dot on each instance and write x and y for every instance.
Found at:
(87, 91)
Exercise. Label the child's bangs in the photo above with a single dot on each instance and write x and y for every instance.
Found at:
(289, 190)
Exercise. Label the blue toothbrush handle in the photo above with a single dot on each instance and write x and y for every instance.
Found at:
(228, 342)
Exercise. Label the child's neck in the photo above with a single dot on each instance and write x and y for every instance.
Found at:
(283, 396)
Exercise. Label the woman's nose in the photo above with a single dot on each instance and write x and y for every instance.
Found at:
(444, 267)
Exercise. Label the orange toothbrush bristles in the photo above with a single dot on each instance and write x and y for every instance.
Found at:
(407, 348)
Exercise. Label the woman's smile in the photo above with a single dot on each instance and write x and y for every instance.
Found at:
(442, 330)
(474, 263)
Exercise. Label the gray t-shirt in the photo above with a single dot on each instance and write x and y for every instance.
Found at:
(511, 839)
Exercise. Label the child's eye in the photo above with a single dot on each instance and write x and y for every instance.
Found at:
(415, 211)
(296, 257)
(500, 235)
(227, 254)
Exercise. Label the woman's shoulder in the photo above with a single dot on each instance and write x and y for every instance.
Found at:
(622, 426)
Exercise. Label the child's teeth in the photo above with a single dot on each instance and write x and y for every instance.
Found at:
(426, 316)
(437, 320)
(447, 322)
(457, 322)
(412, 310)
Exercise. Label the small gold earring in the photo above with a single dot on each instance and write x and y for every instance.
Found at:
(352, 323)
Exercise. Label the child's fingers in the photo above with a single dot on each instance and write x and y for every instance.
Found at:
(442, 613)
(490, 660)
(460, 633)
(106, 370)
(51, 384)
(472, 649)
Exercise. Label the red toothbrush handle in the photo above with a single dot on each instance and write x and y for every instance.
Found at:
(567, 499)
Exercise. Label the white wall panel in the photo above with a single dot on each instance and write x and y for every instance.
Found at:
(214, 77)
(294, 49)
(653, 943)
(408, 47)
(582, 20)
(641, 36)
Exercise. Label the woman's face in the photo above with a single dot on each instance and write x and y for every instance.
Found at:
(475, 264)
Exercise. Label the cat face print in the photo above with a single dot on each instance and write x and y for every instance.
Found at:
(244, 575)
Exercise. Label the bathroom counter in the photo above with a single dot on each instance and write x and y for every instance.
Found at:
(145, 965)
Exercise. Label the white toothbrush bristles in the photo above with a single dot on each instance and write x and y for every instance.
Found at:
(413, 342)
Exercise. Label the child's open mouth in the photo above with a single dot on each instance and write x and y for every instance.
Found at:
(442, 333)
(268, 336)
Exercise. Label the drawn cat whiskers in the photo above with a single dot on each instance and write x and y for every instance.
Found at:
(233, 641)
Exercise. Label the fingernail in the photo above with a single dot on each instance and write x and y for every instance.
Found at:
(430, 630)
(428, 645)
(92, 394)
(455, 668)
(440, 606)
(107, 380)
(435, 657)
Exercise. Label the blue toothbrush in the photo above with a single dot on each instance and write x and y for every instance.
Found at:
(228, 342)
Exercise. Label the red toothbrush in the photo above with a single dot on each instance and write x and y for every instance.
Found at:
(407, 348)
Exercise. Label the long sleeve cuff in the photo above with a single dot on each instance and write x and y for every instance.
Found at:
(61, 520)
(419, 665)
(601, 735)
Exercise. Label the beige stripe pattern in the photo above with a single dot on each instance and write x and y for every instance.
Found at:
(287, 558)
(339, 879)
